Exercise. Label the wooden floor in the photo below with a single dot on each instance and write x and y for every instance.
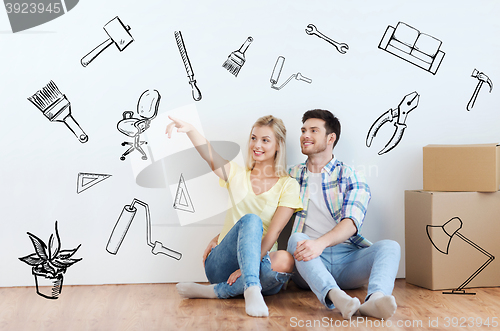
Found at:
(159, 307)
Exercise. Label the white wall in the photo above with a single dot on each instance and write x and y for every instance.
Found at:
(41, 160)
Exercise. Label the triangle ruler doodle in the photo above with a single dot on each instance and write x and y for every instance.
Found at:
(182, 198)
(87, 180)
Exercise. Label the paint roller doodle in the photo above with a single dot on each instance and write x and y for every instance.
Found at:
(277, 72)
(195, 91)
(122, 225)
(57, 108)
(236, 59)
(118, 34)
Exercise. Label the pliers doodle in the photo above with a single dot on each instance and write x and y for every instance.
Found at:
(406, 105)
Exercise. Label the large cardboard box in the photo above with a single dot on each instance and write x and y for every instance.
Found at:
(466, 168)
(467, 247)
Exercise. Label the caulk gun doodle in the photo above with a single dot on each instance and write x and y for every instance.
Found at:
(342, 48)
(482, 79)
(87, 180)
(122, 225)
(118, 34)
(147, 109)
(49, 264)
(410, 45)
(398, 116)
(195, 91)
(275, 76)
(182, 198)
(236, 59)
(57, 108)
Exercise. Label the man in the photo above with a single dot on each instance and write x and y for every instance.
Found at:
(330, 253)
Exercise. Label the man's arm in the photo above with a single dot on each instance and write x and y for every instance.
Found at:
(309, 249)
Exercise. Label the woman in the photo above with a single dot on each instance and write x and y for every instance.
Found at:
(243, 258)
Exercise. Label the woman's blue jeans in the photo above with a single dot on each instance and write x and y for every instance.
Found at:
(241, 249)
(347, 266)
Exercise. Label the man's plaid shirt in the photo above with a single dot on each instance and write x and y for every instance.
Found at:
(346, 195)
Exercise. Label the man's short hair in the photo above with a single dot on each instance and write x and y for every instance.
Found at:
(332, 123)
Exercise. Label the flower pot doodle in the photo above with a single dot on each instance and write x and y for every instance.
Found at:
(49, 264)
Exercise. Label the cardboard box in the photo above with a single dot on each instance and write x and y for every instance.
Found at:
(465, 168)
(469, 246)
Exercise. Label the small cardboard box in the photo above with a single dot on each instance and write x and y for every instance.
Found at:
(470, 241)
(464, 168)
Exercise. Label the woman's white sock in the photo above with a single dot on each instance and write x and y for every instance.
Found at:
(196, 291)
(254, 302)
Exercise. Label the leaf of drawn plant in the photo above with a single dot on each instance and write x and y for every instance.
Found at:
(47, 267)
(64, 263)
(32, 259)
(67, 253)
(58, 243)
(40, 247)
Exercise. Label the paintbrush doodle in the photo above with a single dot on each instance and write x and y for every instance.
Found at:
(236, 59)
(56, 107)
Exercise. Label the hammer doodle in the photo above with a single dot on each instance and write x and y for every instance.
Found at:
(399, 114)
(275, 76)
(118, 34)
(122, 225)
(313, 31)
(482, 79)
(195, 91)
(410, 45)
(49, 264)
(147, 109)
(236, 59)
(56, 107)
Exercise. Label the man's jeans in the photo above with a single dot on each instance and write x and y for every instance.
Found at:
(241, 249)
(347, 266)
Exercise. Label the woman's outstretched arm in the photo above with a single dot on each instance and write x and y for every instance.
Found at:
(219, 165)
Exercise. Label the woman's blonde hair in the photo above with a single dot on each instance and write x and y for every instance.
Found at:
(279, 130)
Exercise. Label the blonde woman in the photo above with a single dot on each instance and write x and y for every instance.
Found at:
(243, 258)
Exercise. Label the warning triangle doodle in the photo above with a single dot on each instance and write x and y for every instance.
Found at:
(87, 180)
(182, 198)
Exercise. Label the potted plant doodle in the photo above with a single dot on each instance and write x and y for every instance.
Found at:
(49, 264)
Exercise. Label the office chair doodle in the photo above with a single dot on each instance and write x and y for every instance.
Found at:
(147, 109)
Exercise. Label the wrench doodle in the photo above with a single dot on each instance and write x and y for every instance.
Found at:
(341, 47)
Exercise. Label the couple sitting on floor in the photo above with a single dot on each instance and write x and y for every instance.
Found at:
(326, 252)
